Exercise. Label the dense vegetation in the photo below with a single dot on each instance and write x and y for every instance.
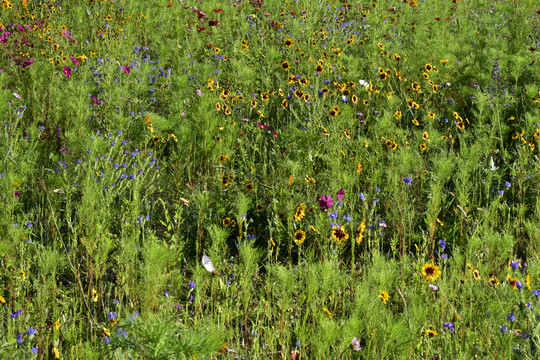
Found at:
(269, 179)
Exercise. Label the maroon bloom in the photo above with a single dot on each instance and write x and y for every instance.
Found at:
(325, 202)
(17, 194)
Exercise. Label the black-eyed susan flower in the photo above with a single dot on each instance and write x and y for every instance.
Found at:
(319, 68)
(95, 296)
(300, 212)
(415, 122)
(493, 281)
(398, 114)
(260, 207)
(299, 236)
(430, 272)
(223, 158)
(249, 186)
(428, 67)
(383, 296)
(225, 180)
(285, 65)
(460, 125)
(432, 115)
(339, 234)
(288, 43)
(226, 222)
(476, 275)
(423, 147)
(284, 104)
(425, 136)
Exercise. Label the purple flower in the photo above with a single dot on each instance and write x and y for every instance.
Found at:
(15, 314)
(326, 202)
(356, 344)
(514, 264)
(442, 244)
(107, 339)
(192, 284)
(508, 184)
(115, 302)
(19, 338)
(191, 298)
(111, 315)
(333, 215)
(67, 71)
(35, 350)
(519, 285)
(407, 180)
(362, 197)
(31, 331)
(449, 326)
(536, 293)
(503, 328)
(511, 317)
(340, 194)
(166, 293)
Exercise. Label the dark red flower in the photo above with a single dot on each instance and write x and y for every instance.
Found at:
(201, 29)
(213, 22)
(218, 10)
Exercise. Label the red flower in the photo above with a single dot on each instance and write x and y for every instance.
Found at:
(218, 10)
(201, 29)
(213, 22)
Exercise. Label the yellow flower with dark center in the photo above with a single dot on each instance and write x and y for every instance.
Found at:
(218, 106)
(430, 333)
(381, 46)
(366, 103)
(155, 139)
(285, 65)
(476, 275)
(425, 136)
(223, 158)
(444, 61)
(339, 234)
(300, 212)
(233, 223)
(227, 110)
(298, 93)
(431, 272)
(313, 228)
(354, 99)
(250, 187)
(319, 68)
(432, 115)
(265, 97)
(253, 103)
(423, 147)
(299, 236)
(383, 296)
(225, 180)
(292, 79)
(397, 114)
(95, 295)
(306, 97)
(428, 67)
(304, 82)
(360, 233)
(333, 113)
(226, 222)
(397, 57)
(284, 103)
(435, 88)
(426, 76)
(2, 300)
(260, 207)
(216, 50)
(460, 125)
(288, 43)
(515, 136)
(382, 75)
(494, 281)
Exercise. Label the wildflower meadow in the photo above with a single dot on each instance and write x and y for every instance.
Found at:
(263, 179)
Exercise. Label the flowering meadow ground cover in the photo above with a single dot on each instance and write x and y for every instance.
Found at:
(260, 179)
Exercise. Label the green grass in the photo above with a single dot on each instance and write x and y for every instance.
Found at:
(138, 137)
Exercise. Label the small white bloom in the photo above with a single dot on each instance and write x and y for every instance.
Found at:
(208, 264)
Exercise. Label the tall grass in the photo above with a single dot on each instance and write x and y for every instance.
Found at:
(363, 178)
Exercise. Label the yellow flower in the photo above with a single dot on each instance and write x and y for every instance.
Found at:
(431, 272)
(476, 275)
(2, 300)
(328, 313)
(106, 332)
(56, 353)
(300, 212)
(299, 236)
(57, 324)
(23, 274)
(383, 296)
(339, 234)
(360, 234)
(94, 295)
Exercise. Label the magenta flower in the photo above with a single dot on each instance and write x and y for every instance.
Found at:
(127, 69)
(340, 194)
(67, 71)
(326, 202)
(74, 60)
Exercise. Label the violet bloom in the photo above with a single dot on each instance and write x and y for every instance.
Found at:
(340, 194)
(67, 71)
(326, 202)
(449, 326)
(127, 69)
(407, 180)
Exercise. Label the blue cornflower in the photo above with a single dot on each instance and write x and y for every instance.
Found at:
(19, 338)
(519, 285)
(503, 328)
(362, 197)
(31, 331)
(111, 315)
(514, 264)
(536, 293)
(15, 314)
(333, 215)
(407, 180)
(449, 326)
(511, 317)
(442, 244)
(192, 284)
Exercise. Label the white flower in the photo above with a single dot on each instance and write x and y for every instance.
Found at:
(208, 264)
(364, 83)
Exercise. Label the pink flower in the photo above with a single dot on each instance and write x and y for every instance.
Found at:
(340, 194)
(17, 95)
(433, 287)
(67, 71)
(326, 202)
(127, 69)
(74, 60)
